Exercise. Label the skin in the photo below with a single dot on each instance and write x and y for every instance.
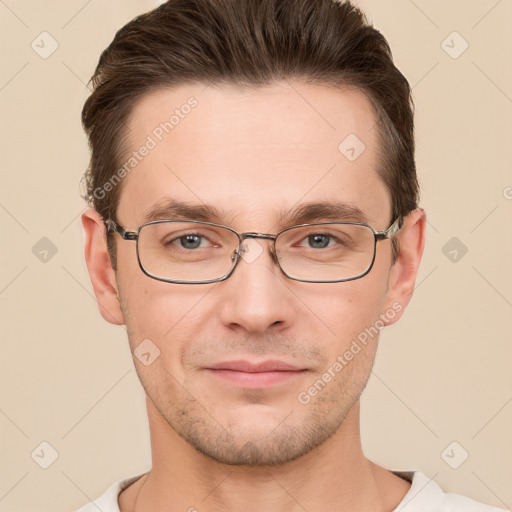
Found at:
(218, 446)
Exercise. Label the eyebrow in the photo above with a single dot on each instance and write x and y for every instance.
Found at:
(173, 209)
(319, 211)
(300, 214)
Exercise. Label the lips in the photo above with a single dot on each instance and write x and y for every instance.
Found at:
(247, 366)
(261, 375)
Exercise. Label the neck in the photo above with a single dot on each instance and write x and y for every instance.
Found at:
(332, 476)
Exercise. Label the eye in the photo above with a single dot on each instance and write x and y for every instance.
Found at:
(319, 241)
(190, 241)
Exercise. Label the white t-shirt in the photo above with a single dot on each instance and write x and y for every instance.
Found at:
(424, 495)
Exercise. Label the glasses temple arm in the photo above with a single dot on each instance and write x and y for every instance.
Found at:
(392, 230)
(113, 227)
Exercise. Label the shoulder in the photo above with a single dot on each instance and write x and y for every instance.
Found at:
(425, 495)
(108, 501)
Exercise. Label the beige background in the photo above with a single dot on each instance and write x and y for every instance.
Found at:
(442, 374)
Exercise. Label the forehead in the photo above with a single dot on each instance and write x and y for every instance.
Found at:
(255, 151)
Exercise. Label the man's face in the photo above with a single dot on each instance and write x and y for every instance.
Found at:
(251, 155)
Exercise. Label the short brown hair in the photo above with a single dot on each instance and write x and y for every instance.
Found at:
(250, 43)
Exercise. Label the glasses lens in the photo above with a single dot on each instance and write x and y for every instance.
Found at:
(326, 252)
(186, 251)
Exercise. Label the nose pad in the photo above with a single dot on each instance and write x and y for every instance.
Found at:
(239, 252)
(235, 255)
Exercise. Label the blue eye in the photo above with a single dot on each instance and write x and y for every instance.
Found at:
(190, 241)
(319, 241)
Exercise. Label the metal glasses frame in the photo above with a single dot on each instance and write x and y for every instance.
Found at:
(392, 230)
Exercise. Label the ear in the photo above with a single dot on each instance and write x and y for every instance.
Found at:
(403, 273)
(100, 269)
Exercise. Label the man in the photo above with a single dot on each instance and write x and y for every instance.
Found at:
(254, 223)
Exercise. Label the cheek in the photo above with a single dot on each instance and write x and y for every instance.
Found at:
(148, 304)
(152, 308)
(170, 315)
(352, 317)
(347, 308)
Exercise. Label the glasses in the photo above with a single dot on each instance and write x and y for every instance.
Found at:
(196, 252)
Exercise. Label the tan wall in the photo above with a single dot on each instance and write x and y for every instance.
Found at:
(442, 374)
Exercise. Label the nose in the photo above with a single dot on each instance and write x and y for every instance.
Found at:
(256, 297)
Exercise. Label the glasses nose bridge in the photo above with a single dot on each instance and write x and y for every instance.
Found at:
(251, 234)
